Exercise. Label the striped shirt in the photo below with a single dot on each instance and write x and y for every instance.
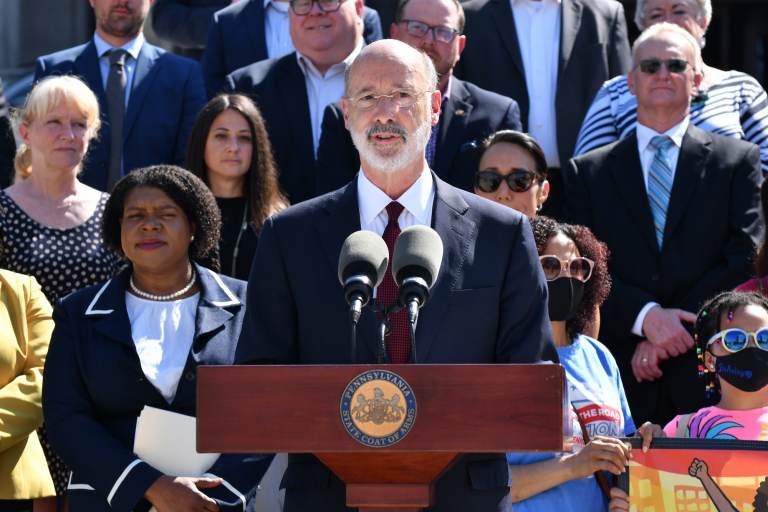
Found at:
(734, 107)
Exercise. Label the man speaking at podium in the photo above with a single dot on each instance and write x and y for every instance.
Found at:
(488, 303)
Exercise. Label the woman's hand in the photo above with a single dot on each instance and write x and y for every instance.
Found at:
(182, 494)
(619, 500)
(698, 469)
(600, 454)
(648, 431)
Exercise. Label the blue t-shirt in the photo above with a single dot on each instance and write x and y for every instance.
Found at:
(596, 392)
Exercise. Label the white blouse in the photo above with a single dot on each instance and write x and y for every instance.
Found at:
(162, 333)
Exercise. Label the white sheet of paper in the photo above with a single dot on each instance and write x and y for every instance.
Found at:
(167, 441)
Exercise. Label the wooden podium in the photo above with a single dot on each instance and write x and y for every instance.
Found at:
(328, 410)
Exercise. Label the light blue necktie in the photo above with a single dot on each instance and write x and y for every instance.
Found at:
(660, 184)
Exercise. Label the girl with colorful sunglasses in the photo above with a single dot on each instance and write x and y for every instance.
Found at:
(731, 334)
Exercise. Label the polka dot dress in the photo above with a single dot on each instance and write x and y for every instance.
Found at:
(62, 261)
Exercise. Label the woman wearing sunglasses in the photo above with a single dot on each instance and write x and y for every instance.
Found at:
(574, 264)
(513, 172)
(731, 334)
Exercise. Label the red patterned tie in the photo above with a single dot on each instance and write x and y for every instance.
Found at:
(398, 340)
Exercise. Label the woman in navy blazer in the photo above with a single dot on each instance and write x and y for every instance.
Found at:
(136, 340)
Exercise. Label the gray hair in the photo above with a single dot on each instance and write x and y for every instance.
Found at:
(703, 6)
(660, 28)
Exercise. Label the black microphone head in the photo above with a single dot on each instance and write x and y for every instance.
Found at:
(363, 252)
(418, 253)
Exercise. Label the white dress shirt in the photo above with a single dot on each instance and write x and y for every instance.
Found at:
(276, 30)
(323, 88)
(646, 152)
(537, 23)
(417, 203)
(133, 47)
(162, 333)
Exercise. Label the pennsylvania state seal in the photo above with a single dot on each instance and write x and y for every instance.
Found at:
(378, 408)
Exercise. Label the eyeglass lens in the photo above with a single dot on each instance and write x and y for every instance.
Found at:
(519, 180)
(578, 268)
(737, 339)
(652, 66)
(440, 33)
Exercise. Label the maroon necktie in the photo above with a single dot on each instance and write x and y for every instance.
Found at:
(398, 340)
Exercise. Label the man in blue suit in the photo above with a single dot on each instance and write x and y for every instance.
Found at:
(469, 114)
(161, 93)
(488, 303)
(252, 30)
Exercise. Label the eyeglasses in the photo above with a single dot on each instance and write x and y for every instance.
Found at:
(304, 7)
(439, 33)
(652, 66)
(578, 268)
(734, 340)
(519, 180)
(402, 98)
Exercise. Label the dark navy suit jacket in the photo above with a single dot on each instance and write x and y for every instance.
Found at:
(488, 305)
(712, 227)
(95, 389)
(167, 94)
(236, 38)
(278, 88)
(468, 115)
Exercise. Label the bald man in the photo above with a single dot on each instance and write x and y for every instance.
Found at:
(490, 288)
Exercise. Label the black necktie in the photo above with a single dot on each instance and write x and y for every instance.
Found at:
(116, 111)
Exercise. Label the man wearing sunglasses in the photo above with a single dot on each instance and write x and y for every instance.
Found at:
(488, 303)
(293, 91)
(469, 114)
(678, 208)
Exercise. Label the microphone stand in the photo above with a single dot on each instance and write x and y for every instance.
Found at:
(413, 318)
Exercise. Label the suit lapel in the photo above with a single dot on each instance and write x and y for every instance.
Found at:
(254, 20)
(505, 24)
(690, 170)
(341, 220)
(296, 104)
(142, 81)
(457, 233)
(452, 125)
(107, 310)
(570, 22)
(627, 175)
(87, 66)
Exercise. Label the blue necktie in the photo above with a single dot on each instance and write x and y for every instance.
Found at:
(660, 184)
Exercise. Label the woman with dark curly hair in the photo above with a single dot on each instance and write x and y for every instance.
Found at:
(229, 150)
(136, 340)
(575, 267)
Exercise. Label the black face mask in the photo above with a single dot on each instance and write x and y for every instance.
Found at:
(746, 370)
(565, 295)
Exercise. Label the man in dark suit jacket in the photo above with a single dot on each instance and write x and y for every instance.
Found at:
(237, 38)
(296, 312)
(590, 47)
(293, 91)
(184, 23)
(469, 113)
(666, 261)
(164, 91)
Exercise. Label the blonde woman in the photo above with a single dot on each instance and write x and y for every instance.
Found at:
(49, 220)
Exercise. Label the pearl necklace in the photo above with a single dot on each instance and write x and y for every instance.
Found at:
(170, 296)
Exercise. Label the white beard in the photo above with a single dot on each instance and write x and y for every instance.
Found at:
(413, 149)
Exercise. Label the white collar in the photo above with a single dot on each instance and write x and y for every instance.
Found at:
(272, 2)
(133, 47)
(676, 133)
(417, 199)
(530, 2)
(306, 65)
